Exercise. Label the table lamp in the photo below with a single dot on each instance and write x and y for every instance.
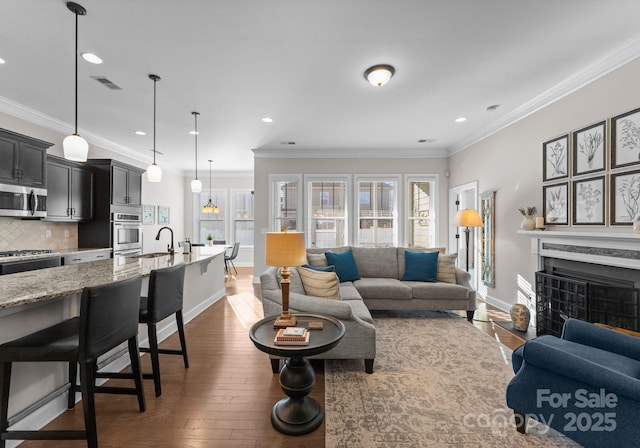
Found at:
(467, 218)
(285, 249)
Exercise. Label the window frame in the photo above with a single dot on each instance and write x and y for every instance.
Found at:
(232, 214)
(311, 178)
(433, 180)
(398, 196)
(274, 179)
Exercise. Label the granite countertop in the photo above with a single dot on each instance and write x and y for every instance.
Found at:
(31, 287)
(79, 250)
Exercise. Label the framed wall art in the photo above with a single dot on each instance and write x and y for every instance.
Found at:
(625, 139)
(556, 203)
(148, 214)
(589, 201)
(163, 215)
(625, 197)
(589, 149)
(555, 158)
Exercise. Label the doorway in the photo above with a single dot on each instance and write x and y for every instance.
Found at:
(461, 197)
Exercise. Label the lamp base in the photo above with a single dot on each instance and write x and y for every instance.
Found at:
(284, 321)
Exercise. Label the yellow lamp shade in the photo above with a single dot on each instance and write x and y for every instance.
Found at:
(285, 249)
(467, 218)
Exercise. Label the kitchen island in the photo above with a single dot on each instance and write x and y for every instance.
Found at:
(33, 300)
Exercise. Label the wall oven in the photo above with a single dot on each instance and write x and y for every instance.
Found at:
(17, 200)
(127, 232)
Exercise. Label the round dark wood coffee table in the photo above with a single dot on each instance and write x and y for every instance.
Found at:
(298, 413)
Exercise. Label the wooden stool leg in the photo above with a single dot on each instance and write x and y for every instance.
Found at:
(73, 380)
(5, 381)
(183, 340)
(134, 356)
(521, 422)
(87, 385)
(155, 361)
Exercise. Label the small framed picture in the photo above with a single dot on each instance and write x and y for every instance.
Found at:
(556, 203)
(555, 158)
(588, 201)
(589, 149)
(148, 214)
(625, 139)
(625, 198)
(163, 215)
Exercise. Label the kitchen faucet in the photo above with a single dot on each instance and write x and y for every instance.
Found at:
(169, 248)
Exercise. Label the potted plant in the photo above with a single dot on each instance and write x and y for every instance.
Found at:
(528, 223)
(209, 240)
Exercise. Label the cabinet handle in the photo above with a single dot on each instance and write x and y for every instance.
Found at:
(76, 259)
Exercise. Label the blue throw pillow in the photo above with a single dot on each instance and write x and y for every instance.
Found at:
(421, 266)
(345, 265)
(331, 268)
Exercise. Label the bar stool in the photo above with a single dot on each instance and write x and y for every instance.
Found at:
(166, 287)
(108, 318)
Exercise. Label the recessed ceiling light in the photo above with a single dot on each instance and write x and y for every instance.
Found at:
(194, 133)
(90, 57)
(139, 132)
(461, 119)
(1, 61)
(267, 120)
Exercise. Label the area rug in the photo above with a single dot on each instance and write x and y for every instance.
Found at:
(437, 382)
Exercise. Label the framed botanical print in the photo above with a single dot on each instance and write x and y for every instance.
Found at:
(556, 203)
(625, 139)
(555, 158)
(148, 214)
(163, 215)
(625, 198)
(589, 201)
(589, 149)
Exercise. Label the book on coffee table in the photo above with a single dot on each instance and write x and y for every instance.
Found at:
(292, 336)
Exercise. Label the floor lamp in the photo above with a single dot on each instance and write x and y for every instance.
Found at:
(467, 218)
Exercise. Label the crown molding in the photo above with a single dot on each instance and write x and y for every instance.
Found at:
(287, 153)
(605, 65)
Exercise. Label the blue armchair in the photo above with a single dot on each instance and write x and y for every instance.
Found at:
(585, 385)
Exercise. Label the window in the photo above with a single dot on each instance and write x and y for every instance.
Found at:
(327, 212)
(242, 217)
(377, 212)
(213, 223)
(421, 211)
(286, 198)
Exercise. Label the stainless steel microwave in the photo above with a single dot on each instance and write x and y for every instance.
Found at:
(17, 200)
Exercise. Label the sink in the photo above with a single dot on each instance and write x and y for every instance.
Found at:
(153, 255)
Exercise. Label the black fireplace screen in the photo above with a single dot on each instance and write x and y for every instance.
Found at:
(559, 297)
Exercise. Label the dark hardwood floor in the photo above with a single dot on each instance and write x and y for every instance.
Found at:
(225, 398)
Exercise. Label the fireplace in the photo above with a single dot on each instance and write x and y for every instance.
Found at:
(591, 276)
(585, 291)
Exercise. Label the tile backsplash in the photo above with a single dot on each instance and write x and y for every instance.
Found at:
(18, 233)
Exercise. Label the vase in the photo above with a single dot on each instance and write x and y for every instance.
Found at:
(520, 317)
(528, 223)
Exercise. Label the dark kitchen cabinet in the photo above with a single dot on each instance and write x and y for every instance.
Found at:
(23, 160)
(126, 186)
(70, 191)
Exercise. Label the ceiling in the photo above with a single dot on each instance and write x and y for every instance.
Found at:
(301, 63)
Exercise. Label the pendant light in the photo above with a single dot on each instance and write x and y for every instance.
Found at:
(75, 147)
(154, 173)
(208, 207)
(196, 185)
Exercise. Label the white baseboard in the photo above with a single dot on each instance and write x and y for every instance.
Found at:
(503, 306)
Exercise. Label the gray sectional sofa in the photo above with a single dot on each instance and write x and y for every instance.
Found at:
(379, 288)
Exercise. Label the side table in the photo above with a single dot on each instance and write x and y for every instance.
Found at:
(298, 413)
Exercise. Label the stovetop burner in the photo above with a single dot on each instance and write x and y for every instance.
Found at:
(24, 252)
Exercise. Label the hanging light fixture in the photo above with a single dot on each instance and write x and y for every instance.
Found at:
(208, 207)
(379, 75)
(196, 185)
(75, 147)
(154, 172)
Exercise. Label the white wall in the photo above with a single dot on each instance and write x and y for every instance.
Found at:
(510, 162)
(396, 166)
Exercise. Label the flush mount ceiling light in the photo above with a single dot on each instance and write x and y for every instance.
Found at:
(461, 119)
(267, 120)
(75, 147)
(90, 57)
(196, 185)
(154, 172)
(379, 75)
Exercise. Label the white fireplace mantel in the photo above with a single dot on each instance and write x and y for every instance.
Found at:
(620, 249)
